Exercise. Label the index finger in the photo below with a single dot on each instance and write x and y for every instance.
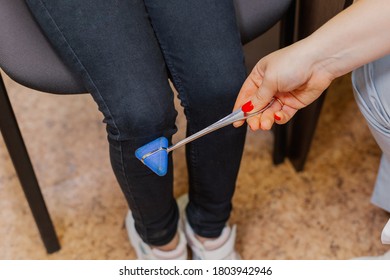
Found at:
(247, 91)
(264, 94)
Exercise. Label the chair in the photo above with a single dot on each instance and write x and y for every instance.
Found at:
(256, 17)
(27, 58)
(312, 14)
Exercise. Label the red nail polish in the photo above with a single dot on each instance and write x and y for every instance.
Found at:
(276, 117)
(247, 107)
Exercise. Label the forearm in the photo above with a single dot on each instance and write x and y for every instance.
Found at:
(354, 37)
(297, 75)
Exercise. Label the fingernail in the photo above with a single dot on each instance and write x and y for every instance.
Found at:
(276, 117)
(247, 107)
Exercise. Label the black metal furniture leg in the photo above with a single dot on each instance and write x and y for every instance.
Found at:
(280, 142)
(304, 125)
(287, 28)
(20, 158)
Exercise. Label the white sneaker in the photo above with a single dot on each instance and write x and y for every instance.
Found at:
(385, 236)
(145, 252)
(221, 248)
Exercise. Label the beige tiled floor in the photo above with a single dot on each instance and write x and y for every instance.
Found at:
(323, 212)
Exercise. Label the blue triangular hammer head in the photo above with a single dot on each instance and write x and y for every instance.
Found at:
(154, 155)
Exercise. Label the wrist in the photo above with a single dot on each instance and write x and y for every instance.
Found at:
(320, 59)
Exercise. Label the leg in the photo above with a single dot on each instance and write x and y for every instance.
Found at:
(112, 46)
(202, 49)
(286, 37)
(303, 126)
(371, 87)
(21, 160)
(371, 84)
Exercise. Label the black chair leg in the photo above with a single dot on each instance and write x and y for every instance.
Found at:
(303, 127)
(302, 132)
(286, 37)
(280, 144)
(20, 158)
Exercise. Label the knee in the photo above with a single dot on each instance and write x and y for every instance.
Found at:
(225, 83)
(219, 88)
(141, 123)
(371, 95)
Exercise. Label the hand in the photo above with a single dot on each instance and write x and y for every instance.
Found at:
(292, 76)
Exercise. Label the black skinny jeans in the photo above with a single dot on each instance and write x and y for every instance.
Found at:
(124, 51)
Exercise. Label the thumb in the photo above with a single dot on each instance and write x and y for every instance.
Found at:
(264, 94)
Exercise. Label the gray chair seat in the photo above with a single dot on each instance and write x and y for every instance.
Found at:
(257, 16)
(27, 56)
